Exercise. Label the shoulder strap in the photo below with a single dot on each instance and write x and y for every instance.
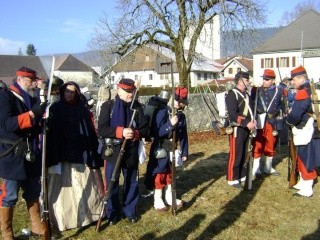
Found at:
(111, 102)
(246, 100)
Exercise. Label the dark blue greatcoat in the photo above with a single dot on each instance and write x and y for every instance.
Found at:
(15, 123)
(310, 153)
(161, 130)
(114, 117)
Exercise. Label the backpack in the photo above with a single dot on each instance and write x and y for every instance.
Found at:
(151, 108)
(104, 94)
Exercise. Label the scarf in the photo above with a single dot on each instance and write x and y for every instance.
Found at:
(122, 113)
(26, 96)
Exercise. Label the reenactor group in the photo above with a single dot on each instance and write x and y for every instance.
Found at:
(259, 114)
(76, 150)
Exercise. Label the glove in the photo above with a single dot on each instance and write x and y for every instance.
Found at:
(39, 109)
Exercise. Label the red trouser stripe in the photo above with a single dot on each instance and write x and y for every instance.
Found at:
(304, 172)
(231, 161)
(3, 192)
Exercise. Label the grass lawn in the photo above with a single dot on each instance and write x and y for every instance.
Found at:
(214, 210)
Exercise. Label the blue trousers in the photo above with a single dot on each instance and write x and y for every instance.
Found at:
(9, 191)
(130, 192)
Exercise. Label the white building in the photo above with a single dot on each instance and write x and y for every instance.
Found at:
(296, 44)
(208, 43)
(147, 65)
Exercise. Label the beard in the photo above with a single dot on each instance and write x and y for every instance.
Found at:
(32, 92)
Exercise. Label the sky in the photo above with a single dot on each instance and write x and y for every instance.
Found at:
(66, 26)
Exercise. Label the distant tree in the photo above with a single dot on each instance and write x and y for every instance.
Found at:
(298, 10)
(168, 23)
(20, 52)
(31, 51)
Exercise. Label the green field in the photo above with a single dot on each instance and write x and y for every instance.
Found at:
(214, 210)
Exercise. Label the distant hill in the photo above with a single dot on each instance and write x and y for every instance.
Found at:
(233, 43)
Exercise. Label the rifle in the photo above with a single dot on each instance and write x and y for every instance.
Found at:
(292, 162)
(249, 157)
(173, 163)
(44, 205)
(116, 168)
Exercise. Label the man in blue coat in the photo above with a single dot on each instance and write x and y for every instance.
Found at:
(307, 139)
(114, 127)
(158, 176)
(20, 156)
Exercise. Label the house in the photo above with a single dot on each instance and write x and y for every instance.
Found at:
(236, 64)
(151, 65)
(294, 45)
(66, 67)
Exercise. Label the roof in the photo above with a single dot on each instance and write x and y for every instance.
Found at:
(247, 63)
(68, 62)
(303, 31)
(136, 61)
(9, 64)
(244, 62)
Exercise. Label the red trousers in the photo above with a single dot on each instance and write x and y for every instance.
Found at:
(264, 143)
(163, 179)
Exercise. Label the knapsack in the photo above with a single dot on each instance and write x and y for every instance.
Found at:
(151, 107)
(104, 94)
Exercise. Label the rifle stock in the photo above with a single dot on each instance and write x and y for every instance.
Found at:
(249, 157)
(249, 162)
(292, 162)
(110, 186)
(44, 206)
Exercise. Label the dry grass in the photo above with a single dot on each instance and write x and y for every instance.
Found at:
(214, 210)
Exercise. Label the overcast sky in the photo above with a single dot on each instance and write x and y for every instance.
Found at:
(66, 26)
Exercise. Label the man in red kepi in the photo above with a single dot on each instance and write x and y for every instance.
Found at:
(159, 176)
(20, 156)
(306, 135)
(270, 108)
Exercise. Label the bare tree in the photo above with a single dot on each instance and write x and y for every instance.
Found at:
(299, 9)
(167, 23)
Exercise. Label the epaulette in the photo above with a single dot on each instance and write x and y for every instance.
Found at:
(302, 94)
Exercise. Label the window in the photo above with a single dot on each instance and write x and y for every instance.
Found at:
(293, 61)
(262, 63)
(284, 62)
(268, 62)
(238, 69)
(205, 76)
(136, 77)
(199, 76)
(150, 76)
(112, 79)
(164, 76)
(230, 70)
